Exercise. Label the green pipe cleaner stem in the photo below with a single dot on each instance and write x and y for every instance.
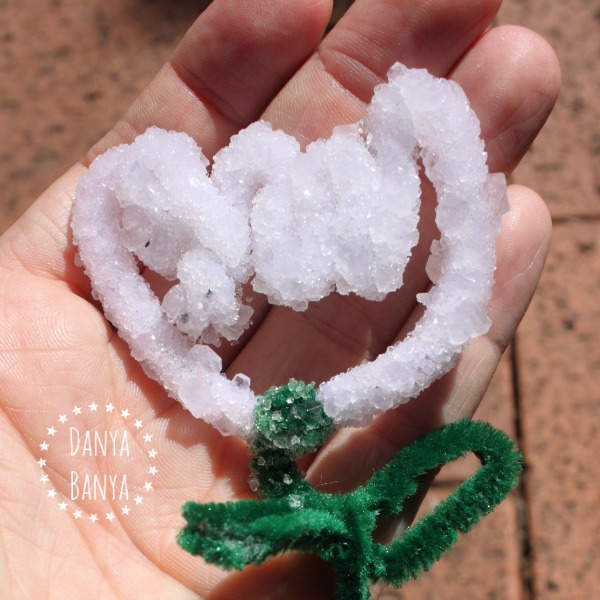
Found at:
(339, 527)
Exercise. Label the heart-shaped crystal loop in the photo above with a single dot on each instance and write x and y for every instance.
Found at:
(341, 215)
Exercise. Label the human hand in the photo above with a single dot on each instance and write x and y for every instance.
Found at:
(240, 62)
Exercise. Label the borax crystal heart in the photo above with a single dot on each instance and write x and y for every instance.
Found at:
(341, 215)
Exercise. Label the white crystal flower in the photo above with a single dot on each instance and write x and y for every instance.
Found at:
(341, 215)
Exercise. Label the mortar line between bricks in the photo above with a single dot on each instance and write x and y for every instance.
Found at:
(560, 220)
(526, 569)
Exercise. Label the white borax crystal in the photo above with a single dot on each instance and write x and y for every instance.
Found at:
(341, 215)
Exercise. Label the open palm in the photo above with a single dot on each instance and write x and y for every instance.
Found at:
(239, 62)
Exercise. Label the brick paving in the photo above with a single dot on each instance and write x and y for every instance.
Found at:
(69, 69)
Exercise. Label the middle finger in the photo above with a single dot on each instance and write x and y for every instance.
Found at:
(332, 88)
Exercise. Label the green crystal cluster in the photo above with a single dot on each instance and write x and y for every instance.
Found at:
(289, 423)
(290, 417)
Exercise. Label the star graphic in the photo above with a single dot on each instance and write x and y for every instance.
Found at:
(42, 462)
(152, 453)
(51, 493)
(110, 516)
(147, 437)
(153, 470)
(93, 407)
(51, 430)
(76, 410)
(44, 478)
(138, 499)
(125, 510)
(138, 424)
(63, 419)
(77, 514)
(44, 446)
(110, 407)
(125, 413)
(93, 518)
(148, 486)
(63, 505)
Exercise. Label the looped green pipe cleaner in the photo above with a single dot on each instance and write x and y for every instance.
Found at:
(339, 527)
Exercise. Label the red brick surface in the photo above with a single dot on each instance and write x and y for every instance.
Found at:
(68, 70)
(563, 163)
(559, 360)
